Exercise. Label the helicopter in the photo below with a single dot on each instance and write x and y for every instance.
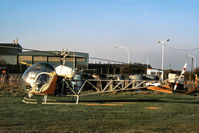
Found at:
(44, 79)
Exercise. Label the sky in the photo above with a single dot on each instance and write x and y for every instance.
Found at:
(97, 26)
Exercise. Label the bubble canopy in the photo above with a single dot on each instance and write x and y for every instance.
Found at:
(37, 73)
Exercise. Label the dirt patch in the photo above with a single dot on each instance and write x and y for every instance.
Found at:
(153, 108)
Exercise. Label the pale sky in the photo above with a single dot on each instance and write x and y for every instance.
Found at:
(97, 26)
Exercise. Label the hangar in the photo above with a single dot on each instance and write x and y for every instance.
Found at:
(13, 57)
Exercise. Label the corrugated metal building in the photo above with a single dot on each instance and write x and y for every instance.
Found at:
(8, 53)
(77, 60)
(12, 54)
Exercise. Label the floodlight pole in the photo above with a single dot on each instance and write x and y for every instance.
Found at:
(193, 65)
(74, 63)
(147, 61)
(163, 43)
(126, 50)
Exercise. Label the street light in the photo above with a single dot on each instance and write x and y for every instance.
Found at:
(126, 50)
(163, 43)
(147, 61)
(193, 58)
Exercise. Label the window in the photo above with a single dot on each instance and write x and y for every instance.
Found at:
(40, 58)
(54, 59)
(25, 58)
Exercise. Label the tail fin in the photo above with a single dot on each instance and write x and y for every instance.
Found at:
(181, 75)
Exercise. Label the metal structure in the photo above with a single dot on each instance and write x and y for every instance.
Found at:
(106, 86)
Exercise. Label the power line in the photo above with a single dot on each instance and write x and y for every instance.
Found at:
(106, 60)
(194, 49)
(174, 52)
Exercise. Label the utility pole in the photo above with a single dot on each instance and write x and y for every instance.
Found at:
(192, 63)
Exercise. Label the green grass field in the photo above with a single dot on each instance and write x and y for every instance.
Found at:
(122, 112)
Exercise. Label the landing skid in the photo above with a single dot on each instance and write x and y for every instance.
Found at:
(48, 101)
(29, 101)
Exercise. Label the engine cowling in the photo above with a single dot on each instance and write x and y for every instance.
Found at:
(65, 71)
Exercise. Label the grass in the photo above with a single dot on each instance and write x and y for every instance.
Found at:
(122, 112)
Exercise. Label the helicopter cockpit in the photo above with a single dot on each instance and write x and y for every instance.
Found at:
(40, 78)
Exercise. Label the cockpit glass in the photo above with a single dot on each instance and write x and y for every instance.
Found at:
(37, 71)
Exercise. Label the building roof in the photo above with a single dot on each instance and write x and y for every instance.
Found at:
(53, 53)
(38, 53)
(10, 48)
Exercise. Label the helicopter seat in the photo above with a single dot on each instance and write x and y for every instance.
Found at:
(44, 83)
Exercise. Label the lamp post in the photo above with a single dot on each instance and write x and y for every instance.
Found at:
(163, 43)
(74, 62)
(147, 61)
(126, 50)
(192, 64)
